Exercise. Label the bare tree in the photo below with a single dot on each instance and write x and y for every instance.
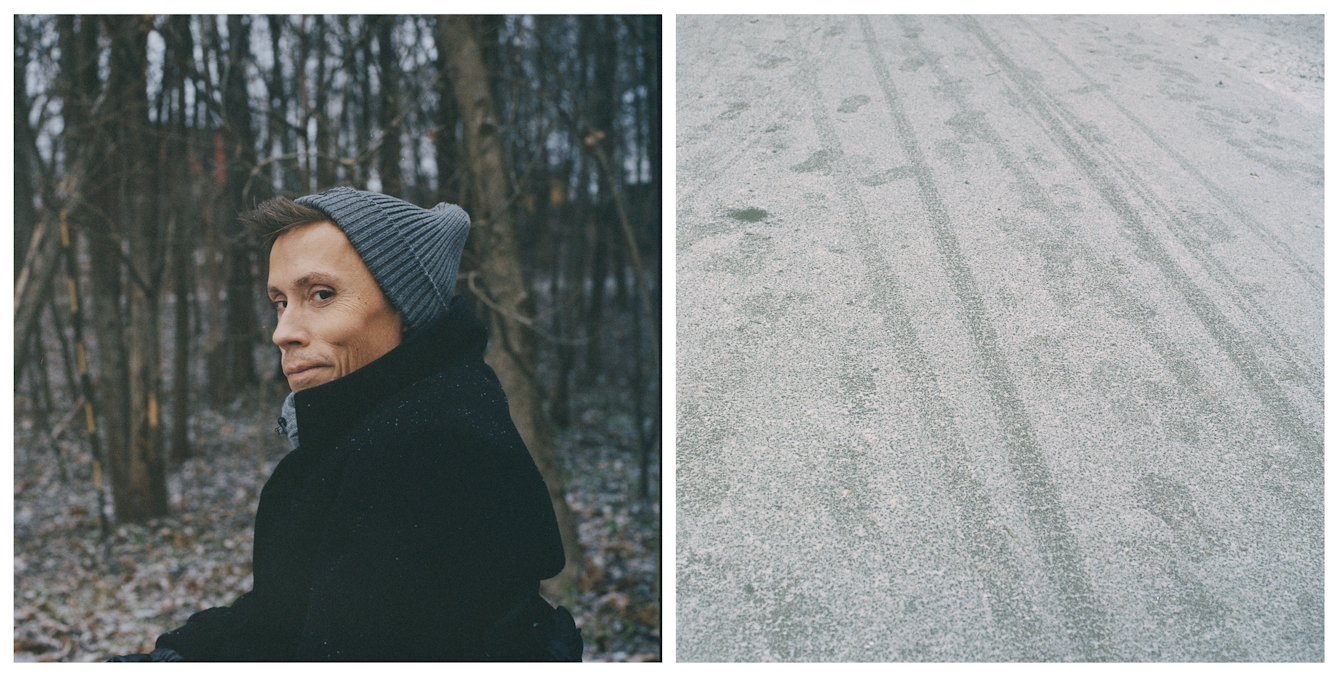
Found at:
(25, 215)
(236, 362)
(389, 74)
(493, 242)
(178, 67)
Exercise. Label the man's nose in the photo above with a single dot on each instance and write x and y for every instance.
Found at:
(289, 332)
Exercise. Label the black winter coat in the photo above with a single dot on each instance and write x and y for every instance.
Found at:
(410, 524)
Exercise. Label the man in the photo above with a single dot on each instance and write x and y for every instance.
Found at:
(409, 522)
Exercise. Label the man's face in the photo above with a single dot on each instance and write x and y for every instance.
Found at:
(333, 318)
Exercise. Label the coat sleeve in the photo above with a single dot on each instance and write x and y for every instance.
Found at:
(431, 533)
(206, 632)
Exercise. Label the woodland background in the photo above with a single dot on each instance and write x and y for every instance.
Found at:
(146, 388)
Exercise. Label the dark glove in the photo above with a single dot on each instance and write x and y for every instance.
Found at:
(159, 655)
(564, 644)
(532, 631)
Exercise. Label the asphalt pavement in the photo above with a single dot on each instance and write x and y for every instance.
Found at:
(1000, 338)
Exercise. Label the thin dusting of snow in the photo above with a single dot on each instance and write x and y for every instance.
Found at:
(80, 599)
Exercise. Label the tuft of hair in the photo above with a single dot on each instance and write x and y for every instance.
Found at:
(278, 215)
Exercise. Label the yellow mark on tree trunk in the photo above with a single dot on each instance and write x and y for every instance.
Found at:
(74, 297)
(153, 410)
(79, 352)
(97, 473)
(88, 414)
(64, 230)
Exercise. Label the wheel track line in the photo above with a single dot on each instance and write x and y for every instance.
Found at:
(983, 539)
(1084, 616)
(1268, 329)
(841, 467)
(1272, 333)
(1132, 308)
(1186, 374)
(1312, 276)
(1288, 420)
(1140, 189)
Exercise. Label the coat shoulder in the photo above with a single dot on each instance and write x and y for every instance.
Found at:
(445, 455)
(452, 428)
(461, 407)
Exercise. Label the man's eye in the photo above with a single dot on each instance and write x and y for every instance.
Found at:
(325, 294)
(280, 304)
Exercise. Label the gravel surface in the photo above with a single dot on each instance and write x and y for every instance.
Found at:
(1000, 338)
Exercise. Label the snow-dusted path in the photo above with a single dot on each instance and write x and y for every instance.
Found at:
(1000, 338)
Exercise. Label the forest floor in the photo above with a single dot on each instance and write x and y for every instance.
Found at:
(79, 599)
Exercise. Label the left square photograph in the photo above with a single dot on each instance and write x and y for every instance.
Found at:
(337, 338)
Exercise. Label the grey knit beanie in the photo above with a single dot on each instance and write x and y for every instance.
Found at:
(413, 253)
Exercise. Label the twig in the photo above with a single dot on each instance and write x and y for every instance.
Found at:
(75, 410)
(527, 322)
(1019, 542)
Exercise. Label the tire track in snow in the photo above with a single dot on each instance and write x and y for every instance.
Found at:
(1312, 276)
(1310, 373)
(1286, 417)
(1191, 387)
(984, 535)
(1085, 616)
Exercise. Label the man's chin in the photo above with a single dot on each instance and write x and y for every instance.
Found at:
(305, 380)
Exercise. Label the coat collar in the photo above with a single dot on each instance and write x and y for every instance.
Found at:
(325, 412)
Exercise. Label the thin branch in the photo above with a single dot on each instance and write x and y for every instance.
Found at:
(527, 322)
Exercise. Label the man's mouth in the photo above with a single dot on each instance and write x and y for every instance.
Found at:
(299, 369)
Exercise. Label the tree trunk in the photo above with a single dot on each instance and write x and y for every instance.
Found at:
(597, 42)
(80, 86)
(279, 129)
(389, 168)
(211, 271)
(240, 330)
(447, 145)
(181, 50)
(597, 272)
(510, 350)
(364, 133)
(139, 486)
(303, 165)
(213, 314)
(25, 215)
(656, 133)
(182, 289)
(325, 141)
(570, 284)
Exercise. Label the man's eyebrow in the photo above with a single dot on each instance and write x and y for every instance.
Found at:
(307, 280)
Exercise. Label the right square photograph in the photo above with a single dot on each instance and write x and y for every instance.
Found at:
(1000, 338)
